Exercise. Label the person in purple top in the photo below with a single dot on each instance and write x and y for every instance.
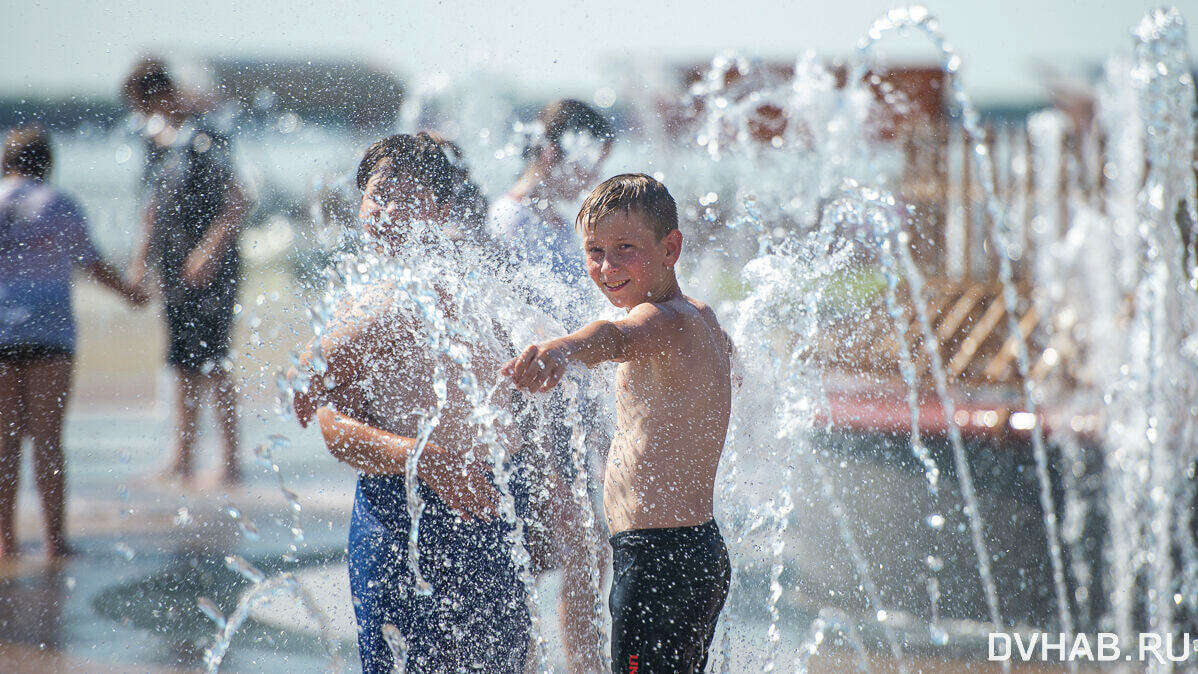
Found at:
(43, 235)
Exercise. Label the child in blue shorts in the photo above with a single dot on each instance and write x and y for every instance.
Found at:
(472, 615)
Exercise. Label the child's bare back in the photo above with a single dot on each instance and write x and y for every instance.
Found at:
(672, 407)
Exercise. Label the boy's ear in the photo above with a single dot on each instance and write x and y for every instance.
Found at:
(673, 244)
(369, 208)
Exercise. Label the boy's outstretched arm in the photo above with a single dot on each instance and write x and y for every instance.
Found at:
(465, 487)
(541, 366)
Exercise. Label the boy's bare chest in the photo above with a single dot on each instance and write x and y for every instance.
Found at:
(643, 391)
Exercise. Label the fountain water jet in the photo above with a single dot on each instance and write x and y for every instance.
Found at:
(1136, 206)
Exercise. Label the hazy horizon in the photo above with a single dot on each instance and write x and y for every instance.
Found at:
(78, 48)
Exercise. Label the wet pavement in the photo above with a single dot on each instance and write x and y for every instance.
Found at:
(148, 550)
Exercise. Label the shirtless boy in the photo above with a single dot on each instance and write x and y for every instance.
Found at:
(472, 615)
(673, 399)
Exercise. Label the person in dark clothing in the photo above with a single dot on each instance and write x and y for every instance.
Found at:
(191, 224)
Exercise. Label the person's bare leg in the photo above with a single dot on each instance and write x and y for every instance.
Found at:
(12, 420)
(189, 389)
(576, 603)
(224, 396)
(49, 388)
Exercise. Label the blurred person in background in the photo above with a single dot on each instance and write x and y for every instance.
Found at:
(43, 235)
(562, 162)
(191, 225)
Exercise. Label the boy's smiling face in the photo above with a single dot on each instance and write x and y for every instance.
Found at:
(628, 263)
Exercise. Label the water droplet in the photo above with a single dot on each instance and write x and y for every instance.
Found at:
(248, 529)
(247, 570)
(262, 455)
(210, 609)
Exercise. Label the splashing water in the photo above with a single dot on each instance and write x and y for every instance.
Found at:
(1140, 206)
(247, 527)
(398, 645)
(790, 201)
(579, 490)
(466, 323)
(262, 592)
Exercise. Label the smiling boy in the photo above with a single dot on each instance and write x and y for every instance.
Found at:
(670, 565)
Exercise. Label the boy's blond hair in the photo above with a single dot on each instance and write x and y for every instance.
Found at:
(630, 192)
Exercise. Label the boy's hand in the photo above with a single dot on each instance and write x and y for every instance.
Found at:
(467, 490)
(304, 404)
(538, 369)
(199, 268)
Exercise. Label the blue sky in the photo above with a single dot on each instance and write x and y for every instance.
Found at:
(544, 46)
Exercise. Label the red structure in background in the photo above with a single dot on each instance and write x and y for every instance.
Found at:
(967, 315)
(912, 97)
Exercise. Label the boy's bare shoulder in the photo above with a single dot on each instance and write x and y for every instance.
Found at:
(704, 310)
(648, 312)
(654, 327)
(367, 325)
(648, 329)
(713, 322)
(676, 313)
(657, 317)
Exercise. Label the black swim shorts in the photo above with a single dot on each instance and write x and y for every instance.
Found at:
(668, 587)
(23, 354)
(199, 324)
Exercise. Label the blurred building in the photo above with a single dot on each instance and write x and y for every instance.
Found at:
(339, 92)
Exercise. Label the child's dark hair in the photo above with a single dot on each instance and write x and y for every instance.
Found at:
(630, 192)
(469, 203)
(432, 161)
(565, 115)
(147, 79)
(27, 152)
